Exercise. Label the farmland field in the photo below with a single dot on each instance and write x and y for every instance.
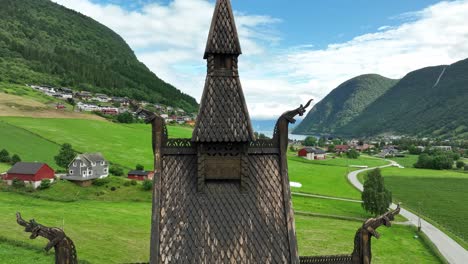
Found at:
(440, 196)
(126, 145)
(119, 231)
(327, 177)
(23, 253)
(320, 236)
(27, 145)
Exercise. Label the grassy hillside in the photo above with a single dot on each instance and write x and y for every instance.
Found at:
(44, 43)
(126, 145)
(344, 104)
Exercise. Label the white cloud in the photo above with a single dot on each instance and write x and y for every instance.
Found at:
(170, 40)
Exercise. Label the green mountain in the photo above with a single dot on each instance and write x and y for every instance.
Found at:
(428, 102)
(344, 104)
(44, 43)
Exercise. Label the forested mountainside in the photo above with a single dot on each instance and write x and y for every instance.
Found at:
(431, 102)
(44, 43)
(344, 103)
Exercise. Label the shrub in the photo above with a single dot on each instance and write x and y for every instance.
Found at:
(15, 159)
(460, 164)
(352, 154)
(4, 156)
(375, 197)
(44, 184)
(116, 170)
(439, 161)
(134, 182)
(466, 167)
(127, 183)
(147, 185)
(101, 182)
(18, 184)
(139, 167)
(65, 156)
(113, 188)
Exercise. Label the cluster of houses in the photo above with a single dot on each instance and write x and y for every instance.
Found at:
(99, 102)
(82, 170)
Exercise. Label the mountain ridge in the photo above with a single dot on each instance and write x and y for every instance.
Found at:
(429, 102)
(43, 42)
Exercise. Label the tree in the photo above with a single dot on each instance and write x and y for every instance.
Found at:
(460, 164)
(140, 167)
(125, 117)
(116, 170)
(65, 155)
(72, 102)
(4, 156)
(331, 148)
(44, 184)
(310, 141)
(147, 185)
(322, 141)
(352, 154)
(375, 197)
(15, 159)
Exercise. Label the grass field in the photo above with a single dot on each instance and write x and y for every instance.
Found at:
(65, 191)
(23, 253)
(4, 167)
(27, 145)
(122, 144)
(327, 177)
(407, 161)
(329, 207)
(321, 236)
(440, 196)
(119, 231)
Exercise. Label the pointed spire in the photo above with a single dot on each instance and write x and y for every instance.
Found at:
(223, 38)
(223, 115)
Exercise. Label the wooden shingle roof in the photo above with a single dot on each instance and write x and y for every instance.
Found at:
(223, 38)
(223, 115)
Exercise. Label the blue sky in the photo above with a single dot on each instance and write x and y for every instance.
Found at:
(292, 50)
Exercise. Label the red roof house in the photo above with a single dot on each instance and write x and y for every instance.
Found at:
(341, 148)
(140, 175)
(30, 173)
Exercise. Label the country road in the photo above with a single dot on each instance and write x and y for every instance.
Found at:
(451, 250)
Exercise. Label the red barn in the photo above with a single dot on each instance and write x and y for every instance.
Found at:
(140, 175)
(30, 173)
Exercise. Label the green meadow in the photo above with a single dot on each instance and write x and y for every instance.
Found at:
(4, 167)
(29, 146)
(322, 236)
(110, 226)
(441, 197)
(327, 177)
(119, 231)
(126, 145)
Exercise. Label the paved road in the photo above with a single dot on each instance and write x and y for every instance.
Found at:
(451, 250)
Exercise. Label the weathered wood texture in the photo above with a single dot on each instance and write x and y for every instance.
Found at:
(65, 251)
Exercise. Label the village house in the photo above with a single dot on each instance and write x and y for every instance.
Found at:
(109, 110)
(31, 173)
(87, 167)
(364, 147)
(312, 153)
(442, 148)
(341, 149)
(140, 175)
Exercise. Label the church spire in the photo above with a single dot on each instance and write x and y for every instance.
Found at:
(223, 38)
(223, 115)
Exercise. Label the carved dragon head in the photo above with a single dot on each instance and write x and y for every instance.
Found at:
(31, 227)
(298, 111)
(386, 219)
